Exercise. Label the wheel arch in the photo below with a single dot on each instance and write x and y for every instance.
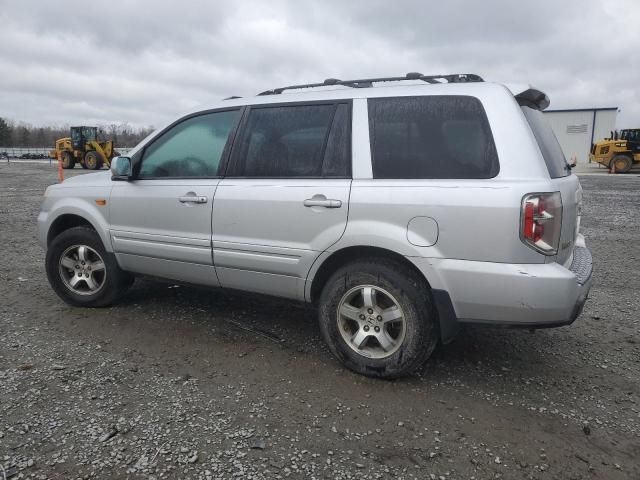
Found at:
(327, 266)
(65, 222)
(447, 320)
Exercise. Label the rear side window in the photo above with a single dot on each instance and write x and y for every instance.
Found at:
(294, 141)
(547, 142)
(431, 137)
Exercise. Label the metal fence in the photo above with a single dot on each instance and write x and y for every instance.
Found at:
(35, 153)
(24, 152)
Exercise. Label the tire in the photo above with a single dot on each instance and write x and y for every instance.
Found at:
(622, 163)
(93, 160)
(394, 286)
(64, 266)
(68, 161)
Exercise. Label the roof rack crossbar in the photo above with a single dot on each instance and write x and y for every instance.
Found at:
(368, 82)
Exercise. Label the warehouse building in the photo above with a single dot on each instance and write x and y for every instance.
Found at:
(577, 128)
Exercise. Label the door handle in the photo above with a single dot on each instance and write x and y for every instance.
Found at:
(193, 198)
(322, 201)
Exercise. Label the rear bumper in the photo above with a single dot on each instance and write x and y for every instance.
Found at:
(510, 295)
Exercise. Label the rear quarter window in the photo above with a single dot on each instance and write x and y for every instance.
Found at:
(431, 137)
(547, 142)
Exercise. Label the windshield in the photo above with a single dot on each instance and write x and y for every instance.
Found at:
(548, 143)
(89, 133)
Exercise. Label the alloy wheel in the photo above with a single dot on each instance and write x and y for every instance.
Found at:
(82, 270)
(371, 321)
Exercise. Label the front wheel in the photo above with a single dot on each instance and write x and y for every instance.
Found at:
(67, 160)
(93, 160)
(82, 272)
(621, 163)
(377, 318)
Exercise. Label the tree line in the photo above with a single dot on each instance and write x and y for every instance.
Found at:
(25, 135)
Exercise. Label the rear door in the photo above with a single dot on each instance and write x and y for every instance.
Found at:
(161, 221)
(285, 197)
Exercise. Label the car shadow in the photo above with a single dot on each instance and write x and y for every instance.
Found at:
(256, 318)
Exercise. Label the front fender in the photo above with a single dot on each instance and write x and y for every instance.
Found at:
(85, 208)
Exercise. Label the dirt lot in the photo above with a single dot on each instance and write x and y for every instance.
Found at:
(179, 382)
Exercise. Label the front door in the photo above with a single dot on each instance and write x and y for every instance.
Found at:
(285, 197)
(161, 221)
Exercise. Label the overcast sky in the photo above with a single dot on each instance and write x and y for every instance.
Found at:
(144, 62)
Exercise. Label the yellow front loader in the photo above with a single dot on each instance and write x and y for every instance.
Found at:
(83, 147)
(619, 153)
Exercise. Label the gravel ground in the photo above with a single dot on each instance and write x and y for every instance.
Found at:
(181, 382)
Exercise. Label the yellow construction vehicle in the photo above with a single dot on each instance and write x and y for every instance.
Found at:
(618, 153)
(83, 147)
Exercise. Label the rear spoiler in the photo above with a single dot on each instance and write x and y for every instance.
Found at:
(533, 98)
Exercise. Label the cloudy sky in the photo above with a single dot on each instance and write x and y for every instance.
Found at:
(144, 62)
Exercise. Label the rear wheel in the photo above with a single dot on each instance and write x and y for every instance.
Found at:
(67, 160)
(378, 318)
(93, 160)
(82, 272)
(621, 163)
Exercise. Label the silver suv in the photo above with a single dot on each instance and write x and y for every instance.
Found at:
(401, 207)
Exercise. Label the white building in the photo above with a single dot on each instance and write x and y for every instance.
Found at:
(577, 128)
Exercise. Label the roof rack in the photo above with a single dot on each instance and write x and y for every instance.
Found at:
(368, 82)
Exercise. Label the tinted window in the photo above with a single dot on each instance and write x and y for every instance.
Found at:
(548, 143)
(89, 133)
(291, 141)
(631, 135)
(431, 137)
(337, 158)
(192, 148)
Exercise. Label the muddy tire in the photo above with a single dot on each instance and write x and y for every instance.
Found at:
(68, 161)
(82, 272)
(378, 318)
(93, 160)
(622, 163)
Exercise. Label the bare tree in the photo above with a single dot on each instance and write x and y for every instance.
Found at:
(22, 134)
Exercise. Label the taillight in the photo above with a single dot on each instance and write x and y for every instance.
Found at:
(541, 221)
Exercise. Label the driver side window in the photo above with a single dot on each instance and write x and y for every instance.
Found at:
(192, 148)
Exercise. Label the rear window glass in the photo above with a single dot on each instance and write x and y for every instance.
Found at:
(547, 142)
(431, 137)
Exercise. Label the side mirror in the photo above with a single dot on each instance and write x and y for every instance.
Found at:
(121, 168)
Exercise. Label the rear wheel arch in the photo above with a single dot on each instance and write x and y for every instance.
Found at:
(352, 254)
